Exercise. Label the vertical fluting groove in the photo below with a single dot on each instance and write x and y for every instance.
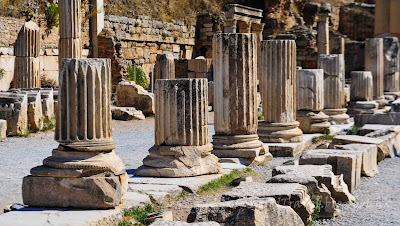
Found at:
(361, 86)
(374, 63)
(165, 66)
(235, 77)
(277, 80)
(180, 114)
(70, 29)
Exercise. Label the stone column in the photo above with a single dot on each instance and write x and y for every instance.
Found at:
(361, 94)
(181, 147)
(27, 51)
(258, 30)
(235, 99)
(96, 24)
(310, 101)
(84, 171)
(278, 90)
(323, 33)
(230, 26)
(391, 64)
(334, 96)
(70, 44)
(165, 67)
(374, 64)
(336, 45)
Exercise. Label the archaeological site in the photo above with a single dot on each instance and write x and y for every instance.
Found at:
(199, 112)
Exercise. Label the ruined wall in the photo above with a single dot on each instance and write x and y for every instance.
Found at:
(357, 21)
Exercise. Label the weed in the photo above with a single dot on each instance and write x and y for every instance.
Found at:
(141, 78)
(183, 194)
(325, 137)
(353, 131)
(52, 16)
(260, 116)
(2, 73)
(26, 133)
(139, 214)
(316, 200)
(315, 140)
(164, 35)
(50, 124)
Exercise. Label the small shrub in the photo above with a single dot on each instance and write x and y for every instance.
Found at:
(52, 16)
(139, 214)
(353, 131)
(141, 78)
(28, 14)
(315, 140)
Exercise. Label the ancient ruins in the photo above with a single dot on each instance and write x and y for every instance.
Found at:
(199, 112)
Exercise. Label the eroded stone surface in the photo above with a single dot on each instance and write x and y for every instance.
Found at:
(14, 109)
(126, 113)
(375, 64)
(131, 95)
(165, 67)
(3, 130)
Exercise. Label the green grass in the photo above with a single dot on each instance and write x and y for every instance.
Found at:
(316, 200)
(223, 182)
(2, 73)
(353, 131)
(327, 136)
(137, 213)
(260, 116)
(49, 125)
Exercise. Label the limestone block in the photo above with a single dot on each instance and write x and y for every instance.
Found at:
(383, 149)
(313, 122)
(310, 89)
(369, 157)
(48, 110)
(374, 63)
(165, 67)
(246, 211)
(85, 192)
(14, 109)
(35, 114)
(390, 134)
(235, 95)
(343, 162)
(391, 61)
(3, 130)
(361, 86)
(126, 113)
(131, 95)
(7, 63)
(365, 107)
(200, 65)
(288, 194)
(323, 174)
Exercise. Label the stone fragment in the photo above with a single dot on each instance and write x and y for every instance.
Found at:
(246, 211)
(35, 113)
(48, 110)
(334, 105)
(278, 59)
(14, 109)
(126, 113)
(312, 122)
(131, 95)
(391, 61)
(383, 149)
(235, 78)
(181, 147)
(162, 214)
(366, 107)
(289, 194)
(389, 133)
(162, 222)
(165, 66)
(343, 162)
(369, 157)
(3, 130)
(374, 63)
(323, 174)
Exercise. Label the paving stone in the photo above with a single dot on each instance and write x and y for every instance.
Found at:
(172, 190)
(290, 194)
(369, 157)
(247, 211)
(343, 162)
(324, 175)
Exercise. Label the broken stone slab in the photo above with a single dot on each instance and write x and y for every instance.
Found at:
(162, 214)
(328, 208)
(383, 149)
(245, 211)
(171, 189)
(389, 133)
(162, 222)
(3, 130)
(369, 157)
(290, 194)
(324, 175)
(126, 113)
(35, 113)
(14, 109)
(131, 95)
(343, 162)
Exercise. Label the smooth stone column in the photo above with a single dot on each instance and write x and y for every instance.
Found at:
(278, 91)
(323, 33)
(26, 51)
(310, 101)
(334, 96)
(391, 61)
(235, 99)
(182, 148)
(165, 66)
(84, 171)
(374, 64)
(70, 43)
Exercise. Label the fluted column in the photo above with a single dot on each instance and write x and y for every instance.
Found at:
(181, 147)
(374, 64)
(334, 99)
(235, 97)
(26, 51)
(80, 171)
(278, 90)
(165, 66)
(323, 33)
(361, 86)
(258, 30)
(391, 61)
(70, 44)
(310, 101)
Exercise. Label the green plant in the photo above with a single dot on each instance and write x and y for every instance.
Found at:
(316, 200)
(138, 213)
(325, 137)
(223, 182)
(353, 131)
(28, 14)
(315, 140)
(260, 116)
(141, 78)
(2, 73)
(52, 16)
(50, 124)
(26, 133)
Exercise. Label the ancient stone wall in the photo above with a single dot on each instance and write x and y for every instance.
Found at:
(357, 21)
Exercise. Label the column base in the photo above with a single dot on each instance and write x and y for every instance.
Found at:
(337, 116)
(313, 122)
(366, 107)
(382, 102)
(179, 161)
(280, 132)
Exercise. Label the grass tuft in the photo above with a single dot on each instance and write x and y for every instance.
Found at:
(353, 131)
(316, 200)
